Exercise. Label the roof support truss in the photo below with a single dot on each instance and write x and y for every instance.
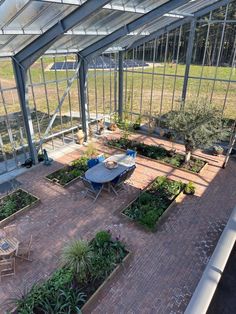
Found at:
(34, 50)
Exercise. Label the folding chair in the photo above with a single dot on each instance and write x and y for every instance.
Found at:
(92, 189)
(118, 183)
(24, 250)
(92, 162)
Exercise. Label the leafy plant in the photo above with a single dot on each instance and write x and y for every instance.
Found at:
(152, 203)
(76, 169)
(149, 219)
(189, 188)
(15, 201)
(158, 153)
(102, 237)
(91, 150)
(78, 256)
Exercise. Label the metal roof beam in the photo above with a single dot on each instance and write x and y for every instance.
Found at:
(211, 7)
(109, 6)
(28, 55)
(101, 45)
(178, 23)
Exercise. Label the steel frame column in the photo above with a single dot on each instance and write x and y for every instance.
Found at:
(21, 83)
(188, 58)
(120, 86)
(83, 90)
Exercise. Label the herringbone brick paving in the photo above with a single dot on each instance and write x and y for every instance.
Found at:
(165, 266)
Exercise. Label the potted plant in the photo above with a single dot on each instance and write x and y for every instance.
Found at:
(217, 150)
(189, 188)
(137, 123)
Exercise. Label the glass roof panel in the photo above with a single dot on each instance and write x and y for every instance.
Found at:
(107, 20)
(15, 43)
(38, 15)
(75, 41)
(9, 9)
(34, 17)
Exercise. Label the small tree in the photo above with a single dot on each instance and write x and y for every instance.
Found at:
(198, 124)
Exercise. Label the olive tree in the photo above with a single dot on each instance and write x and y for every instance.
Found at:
(198, 124)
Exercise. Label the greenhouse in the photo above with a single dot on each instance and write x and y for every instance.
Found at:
(117, 156)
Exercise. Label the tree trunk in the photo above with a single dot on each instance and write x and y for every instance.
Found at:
(187, 156)
(188, 151)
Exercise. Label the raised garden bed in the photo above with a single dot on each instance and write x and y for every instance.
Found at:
(160, 153)
(69, 173)
(14, 204)
(156, 199)
(72, 288)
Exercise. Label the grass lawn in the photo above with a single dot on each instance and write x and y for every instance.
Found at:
(102, 92)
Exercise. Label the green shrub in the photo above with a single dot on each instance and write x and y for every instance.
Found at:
(78, 256)
(102, 237)
(149, 219)
(189, 188)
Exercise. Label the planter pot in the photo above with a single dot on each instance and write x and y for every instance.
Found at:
(189, 193)
(80, 137)
(217, 150)
(112, 127)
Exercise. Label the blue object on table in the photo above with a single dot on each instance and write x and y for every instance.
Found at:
(101, 158)
(92, 162)
(130, 152)
(5, 246)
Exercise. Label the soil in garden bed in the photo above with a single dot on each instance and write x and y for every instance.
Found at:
(65, 175)
(153, 202)
(159, 153)
(14, 202)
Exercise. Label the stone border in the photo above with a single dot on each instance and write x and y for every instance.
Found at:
(164, 163)
(209, 281)
(20, 211)
(96, 294)
(174, 201)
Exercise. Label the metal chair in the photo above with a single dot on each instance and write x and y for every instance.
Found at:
(92, 162)
(101, 158)
(93, 189)
(132, 153)
(118, 183)
(24, 250)
(7, 267)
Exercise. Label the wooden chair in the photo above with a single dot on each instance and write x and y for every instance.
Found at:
(10, 230)
(24, 250)
(92, 189)
(7, 267)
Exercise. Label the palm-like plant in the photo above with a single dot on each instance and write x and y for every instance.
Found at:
(78, 256)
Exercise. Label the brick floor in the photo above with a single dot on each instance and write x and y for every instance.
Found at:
(165, 266)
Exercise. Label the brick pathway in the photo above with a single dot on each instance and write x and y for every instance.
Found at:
(165, 267)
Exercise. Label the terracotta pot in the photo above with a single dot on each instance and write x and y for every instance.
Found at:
(112, 127)
(80, 137)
